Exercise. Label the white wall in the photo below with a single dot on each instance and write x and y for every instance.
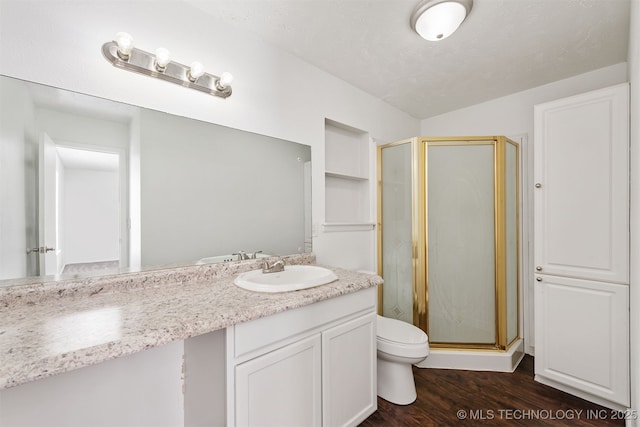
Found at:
(274, 93)
(634, 79)
(81, 131)
(91, 209)
(513, 114)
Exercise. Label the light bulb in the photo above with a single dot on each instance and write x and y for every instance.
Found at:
(225, 80)
(196, 70)
(125, 44)
(163, 57)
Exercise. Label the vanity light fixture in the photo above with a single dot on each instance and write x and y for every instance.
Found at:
(436, 20)
(122, 54)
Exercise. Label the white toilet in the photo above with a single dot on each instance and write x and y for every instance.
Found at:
(400, 345)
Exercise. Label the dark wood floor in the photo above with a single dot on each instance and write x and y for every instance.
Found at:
(451, 397)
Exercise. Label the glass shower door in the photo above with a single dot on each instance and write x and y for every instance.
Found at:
(461, 243)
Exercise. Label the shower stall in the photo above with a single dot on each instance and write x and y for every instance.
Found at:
(448, 246)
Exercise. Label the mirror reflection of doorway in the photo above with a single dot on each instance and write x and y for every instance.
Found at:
(80, 209)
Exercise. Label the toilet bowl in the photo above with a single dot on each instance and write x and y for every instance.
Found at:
(399, 345)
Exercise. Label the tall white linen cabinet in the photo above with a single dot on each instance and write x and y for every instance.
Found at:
(581, 239)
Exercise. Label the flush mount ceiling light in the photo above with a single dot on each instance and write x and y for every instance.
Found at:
(437, 19)
(121, 53)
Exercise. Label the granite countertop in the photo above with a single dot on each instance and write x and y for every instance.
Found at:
(52, 328)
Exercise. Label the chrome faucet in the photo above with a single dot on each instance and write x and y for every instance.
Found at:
(255, 254)
(273, 268)
(242, 255)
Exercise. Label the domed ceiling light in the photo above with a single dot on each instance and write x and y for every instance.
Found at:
(437, 19)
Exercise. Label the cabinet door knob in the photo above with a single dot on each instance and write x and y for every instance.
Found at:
(539, 279)
(538, 185)
(538, 268)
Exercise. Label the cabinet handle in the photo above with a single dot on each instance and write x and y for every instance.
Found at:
(539, 279)
(538, 185)
(538, 268)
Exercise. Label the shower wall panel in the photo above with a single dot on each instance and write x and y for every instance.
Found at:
(397, 232)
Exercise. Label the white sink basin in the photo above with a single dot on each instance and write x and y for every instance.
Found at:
(293, 278)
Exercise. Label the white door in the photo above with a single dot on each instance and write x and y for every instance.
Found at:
(582, 336)
(582, 187)
(349, 393)
(49, 250)
(281, 388)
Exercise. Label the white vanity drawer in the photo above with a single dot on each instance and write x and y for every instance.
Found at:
(284, 327)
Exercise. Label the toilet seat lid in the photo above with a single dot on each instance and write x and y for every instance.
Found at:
(398, 331)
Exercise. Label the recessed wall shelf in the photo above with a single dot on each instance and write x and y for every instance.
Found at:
(347, 182)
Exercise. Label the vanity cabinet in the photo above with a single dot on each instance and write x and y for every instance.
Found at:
(583, 336)
(311, 366)
(282, 387)
(581, 243)
(349, 371)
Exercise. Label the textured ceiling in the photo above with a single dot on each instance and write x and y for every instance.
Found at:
(504, 46)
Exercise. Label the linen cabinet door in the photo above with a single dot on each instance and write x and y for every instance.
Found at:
(582, 337)
(581, 172)
(349, 372)
(281, 388)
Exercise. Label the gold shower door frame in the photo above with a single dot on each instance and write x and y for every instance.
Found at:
(419, 208)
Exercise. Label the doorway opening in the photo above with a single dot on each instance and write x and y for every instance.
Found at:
(81, 209)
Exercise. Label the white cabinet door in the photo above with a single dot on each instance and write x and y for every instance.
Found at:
(582, 336)
(281, 388)
(349, 372)
(582, 186)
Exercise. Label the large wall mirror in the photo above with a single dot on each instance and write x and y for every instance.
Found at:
(91, 186)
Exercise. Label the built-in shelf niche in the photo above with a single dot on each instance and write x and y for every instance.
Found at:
(347, 182)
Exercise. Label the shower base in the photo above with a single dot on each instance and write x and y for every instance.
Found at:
(476, 360)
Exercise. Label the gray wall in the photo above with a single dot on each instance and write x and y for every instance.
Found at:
(211, 190)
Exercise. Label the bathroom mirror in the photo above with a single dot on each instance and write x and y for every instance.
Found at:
(91, 186)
